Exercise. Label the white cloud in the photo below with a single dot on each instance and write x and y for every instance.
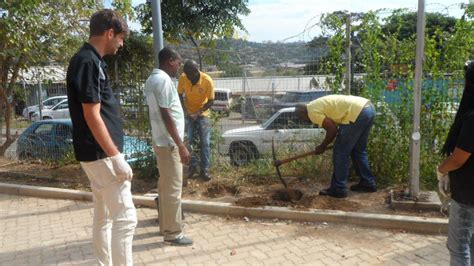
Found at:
(276, 20)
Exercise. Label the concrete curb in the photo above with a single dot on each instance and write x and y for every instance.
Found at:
(408, 223)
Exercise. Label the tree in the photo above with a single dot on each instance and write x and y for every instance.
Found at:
(405, 24)
(134, 62)
(200, 22)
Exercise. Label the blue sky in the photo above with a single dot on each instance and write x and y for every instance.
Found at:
(278, 20)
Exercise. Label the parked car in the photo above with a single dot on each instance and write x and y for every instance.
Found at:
(254, 107)
(293, 98)
(52, 140)
(48, 103)
(60, 110)
(222, 101)
(249, 143)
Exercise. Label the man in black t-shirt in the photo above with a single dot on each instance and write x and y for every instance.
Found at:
(98, 139)
(459, 165)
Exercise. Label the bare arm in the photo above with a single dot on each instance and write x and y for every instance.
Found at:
(181, 99)
(99, 130)
(206, 106)
(171, 127)
(331, 132)
(455, 161)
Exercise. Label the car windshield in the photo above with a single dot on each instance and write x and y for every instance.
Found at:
(53, 101)
(289, 97)
(221, 96)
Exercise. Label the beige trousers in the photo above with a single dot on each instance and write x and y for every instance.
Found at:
(170, 186)
(115, 217)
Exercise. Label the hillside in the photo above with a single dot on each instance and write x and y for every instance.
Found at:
(265, 55)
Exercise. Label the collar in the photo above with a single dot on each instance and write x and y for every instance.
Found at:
(199, 80)
(88, 46)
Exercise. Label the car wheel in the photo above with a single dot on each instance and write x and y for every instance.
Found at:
(46, 117)
(242, 153)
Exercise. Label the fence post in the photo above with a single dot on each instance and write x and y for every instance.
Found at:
(348, 54)
(242, 104)
(40, 102)
(26, 97)
(415, 137)
(273, 95)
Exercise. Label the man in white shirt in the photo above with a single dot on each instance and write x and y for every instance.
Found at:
(167, 125)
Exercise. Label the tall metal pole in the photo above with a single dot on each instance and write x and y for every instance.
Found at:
(243, 104)
(415, 137)
(348, 54)
(23, 83)
(157, 29)
(40, 98)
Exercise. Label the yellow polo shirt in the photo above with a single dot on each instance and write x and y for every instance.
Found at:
(342, 109)
(196, 96)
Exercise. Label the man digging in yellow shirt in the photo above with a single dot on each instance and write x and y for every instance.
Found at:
(196, 91)
(350, 118)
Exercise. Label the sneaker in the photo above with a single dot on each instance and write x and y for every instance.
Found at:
(206, 176)
(180, 241)
(335, 193)
(364, 188)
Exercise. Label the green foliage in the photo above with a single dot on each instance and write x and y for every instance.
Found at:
(404, 23)
(333, 27)
(32, 33)
(134, 61)
(387, 51)
(201, 22)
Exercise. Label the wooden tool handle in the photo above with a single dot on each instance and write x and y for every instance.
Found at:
(287, 160)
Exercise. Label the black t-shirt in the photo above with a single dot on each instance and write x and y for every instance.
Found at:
(87, 82)
(462, 179)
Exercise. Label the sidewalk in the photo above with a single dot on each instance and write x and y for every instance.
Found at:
(39, 231)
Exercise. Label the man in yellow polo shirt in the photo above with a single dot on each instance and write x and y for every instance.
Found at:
(196, 91)
(350, 118)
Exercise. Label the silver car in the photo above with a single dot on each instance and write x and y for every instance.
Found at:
(290, 133)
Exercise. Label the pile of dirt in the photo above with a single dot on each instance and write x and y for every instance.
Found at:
(253, 192)
(252, 201)
(215, 189)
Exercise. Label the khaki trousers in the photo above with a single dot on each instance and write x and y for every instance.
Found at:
(170, 186)
(115, 217)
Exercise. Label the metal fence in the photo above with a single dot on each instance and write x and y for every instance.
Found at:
(241, 135)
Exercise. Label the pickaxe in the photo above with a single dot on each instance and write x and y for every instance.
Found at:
(277, 162)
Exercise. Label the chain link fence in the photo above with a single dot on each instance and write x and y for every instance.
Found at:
(253, 109)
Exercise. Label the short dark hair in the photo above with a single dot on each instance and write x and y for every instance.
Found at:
(166, 54)
(190, 65)
(106, 19)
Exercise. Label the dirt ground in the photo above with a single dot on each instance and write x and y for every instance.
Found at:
(257, 191)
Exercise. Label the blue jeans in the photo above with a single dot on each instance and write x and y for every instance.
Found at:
(351, 142)
(202, 128)
(460, 233)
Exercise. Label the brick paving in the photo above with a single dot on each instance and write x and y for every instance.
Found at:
(36, 231)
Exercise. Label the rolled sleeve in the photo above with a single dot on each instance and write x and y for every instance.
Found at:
(164, 97)
(317, 118)
(87, 83)
(465, 140)
(210, 90)
(181, 82)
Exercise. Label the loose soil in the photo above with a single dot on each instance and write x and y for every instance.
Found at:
(302, 193)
